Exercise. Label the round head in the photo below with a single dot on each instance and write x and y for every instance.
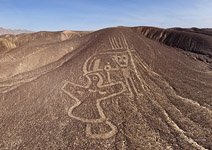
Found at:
(122, 60)
(95, 79)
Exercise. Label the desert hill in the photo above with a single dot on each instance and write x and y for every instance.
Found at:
(14, 32)
(193, 40)
(115, 88)
(11, 42)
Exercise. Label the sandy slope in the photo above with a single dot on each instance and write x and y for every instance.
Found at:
(116, 88)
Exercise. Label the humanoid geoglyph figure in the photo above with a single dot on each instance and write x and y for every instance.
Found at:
(88, 98)
(109, 74)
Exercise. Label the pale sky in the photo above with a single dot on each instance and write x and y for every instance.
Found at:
(39, 15)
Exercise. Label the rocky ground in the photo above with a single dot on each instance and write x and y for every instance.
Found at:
(139, 88)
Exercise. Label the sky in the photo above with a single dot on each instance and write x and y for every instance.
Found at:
(37, 15)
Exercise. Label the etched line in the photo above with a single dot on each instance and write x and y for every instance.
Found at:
(125, 41)
(177, 128)
(120, 43)
(182, 133)
(116, 43)
(111, 43)
(152, 73)
(102, 135)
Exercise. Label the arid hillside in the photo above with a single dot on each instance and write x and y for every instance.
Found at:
(14, 32)
(122, 88)
(194, 40)
(31, 40)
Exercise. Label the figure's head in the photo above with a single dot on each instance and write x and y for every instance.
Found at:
(95, 80)
(121, 59)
